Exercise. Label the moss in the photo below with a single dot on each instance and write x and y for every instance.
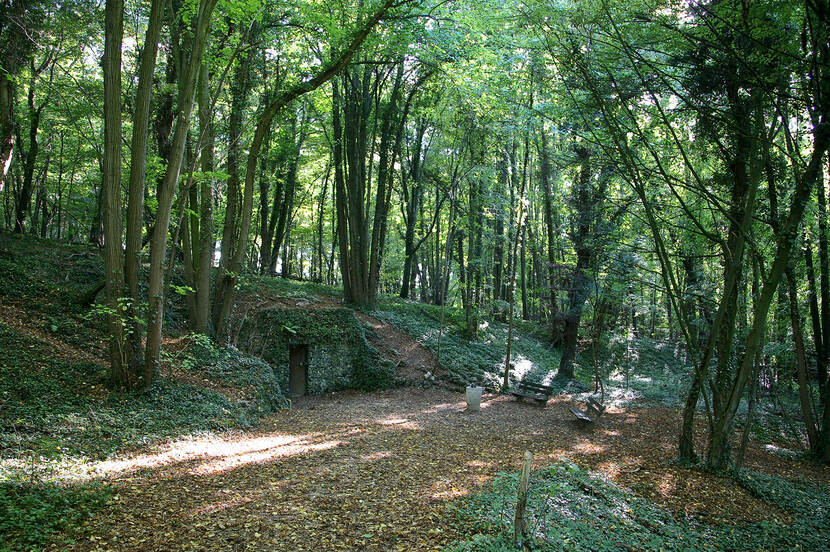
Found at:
(340, 357)
(263, 393)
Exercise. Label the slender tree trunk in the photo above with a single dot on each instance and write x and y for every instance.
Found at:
(6, 121)
(821, 372)
(551, 227)
(239, 91)
(718, 454)
(795, 318)
(801, 362)
(111, 191)
(23, 199)
(498, 228)
(138, 167)
(824, 271)
(584, 203)
(412, 199)
(520, 234)
(158, 248)
(204, 259)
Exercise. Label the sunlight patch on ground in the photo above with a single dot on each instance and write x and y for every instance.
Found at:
(521, 366)
(460, 405)
(781, 451)
(446, 489)
(667, 485)
(380, 455)
(398, 422)
(487, 403)
(236, 451)
(615, 468)
(610, 469)
(589, 448)
(495, 377)
(234, 461)
(46, 469)
(614, 395)
(620, 377)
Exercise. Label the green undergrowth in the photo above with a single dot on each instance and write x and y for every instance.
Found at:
(638, 371)
(47, 276)
(52, 281)
(228, 366)
(54, 410)
(31, 514)
(471, 361)
(62, 284)
(568, 508)
(283, 287)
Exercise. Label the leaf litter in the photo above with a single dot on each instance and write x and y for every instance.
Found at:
(383, 471)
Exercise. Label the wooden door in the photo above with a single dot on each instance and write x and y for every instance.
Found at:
(297, 370)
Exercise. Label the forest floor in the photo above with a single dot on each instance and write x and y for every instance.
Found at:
(86, 468)
(383, 471)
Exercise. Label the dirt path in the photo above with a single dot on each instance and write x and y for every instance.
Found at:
(412, 360)
(380, 472)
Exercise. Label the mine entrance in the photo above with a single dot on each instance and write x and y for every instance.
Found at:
(297, 370)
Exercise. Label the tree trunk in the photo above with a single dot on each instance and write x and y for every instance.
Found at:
(821, 372)
(138, 167)
(23, 199)
(718, 454)
(158, 247)
(584, 200)
(412, 198)
(824, 271)
(204, 259)
(111, 191)
(6, 121)
(551, 227)
(795, 317)
(239, 91)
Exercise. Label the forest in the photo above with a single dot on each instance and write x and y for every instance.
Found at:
(252, 253)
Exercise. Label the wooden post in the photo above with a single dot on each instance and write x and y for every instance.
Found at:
(519, 524)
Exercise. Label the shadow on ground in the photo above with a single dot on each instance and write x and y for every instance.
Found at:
(381, 472)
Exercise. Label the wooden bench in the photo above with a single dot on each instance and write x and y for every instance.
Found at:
(538, 392)
(593, 410)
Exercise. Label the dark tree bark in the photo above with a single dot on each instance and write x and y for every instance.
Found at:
(412, 196)
(28, 154)
(240, 86)
(111, 191)
(586, 202)
(138, 166)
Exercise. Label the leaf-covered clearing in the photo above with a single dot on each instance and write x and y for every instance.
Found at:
(389, 471)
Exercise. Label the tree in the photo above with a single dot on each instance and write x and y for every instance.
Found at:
(341, 57)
